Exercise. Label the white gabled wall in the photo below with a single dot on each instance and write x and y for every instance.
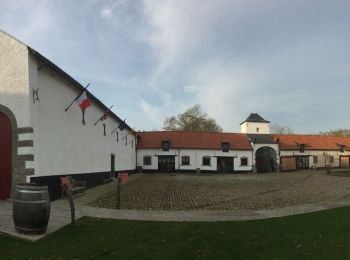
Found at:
(251, 128)
(14, 86)
(196, 156)
(62, 145)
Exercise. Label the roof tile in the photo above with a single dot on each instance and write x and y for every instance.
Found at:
(195, 140)
(311, 142)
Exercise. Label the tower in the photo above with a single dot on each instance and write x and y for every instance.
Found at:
(255, 124)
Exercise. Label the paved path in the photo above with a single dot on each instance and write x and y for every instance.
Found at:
(60, 212)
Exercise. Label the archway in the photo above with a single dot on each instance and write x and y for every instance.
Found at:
(5, 156)
(265, 159)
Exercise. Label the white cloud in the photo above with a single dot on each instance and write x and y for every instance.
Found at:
(151, 112)
(107, 13)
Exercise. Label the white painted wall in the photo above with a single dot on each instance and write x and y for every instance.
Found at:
(14, 85)
(196, 156)
(62, 145)
(321, 155)
(251, 128)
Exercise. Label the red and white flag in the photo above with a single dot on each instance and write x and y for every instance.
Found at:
(105, 116)
(83, 101)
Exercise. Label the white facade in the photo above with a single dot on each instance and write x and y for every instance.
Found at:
(322, 157)
(255, 128)
(61, 145)
(196, 156)
(14, 78)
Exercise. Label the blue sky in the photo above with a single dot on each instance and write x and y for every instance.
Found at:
(289, 61)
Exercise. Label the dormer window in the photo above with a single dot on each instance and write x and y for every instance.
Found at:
(342, 148)
(301, 148)
(225, 147)
(165, 145)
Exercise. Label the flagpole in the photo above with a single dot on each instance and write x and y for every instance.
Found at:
(109, 109)
(66, 109)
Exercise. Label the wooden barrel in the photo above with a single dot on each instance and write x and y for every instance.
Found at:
(31, 208)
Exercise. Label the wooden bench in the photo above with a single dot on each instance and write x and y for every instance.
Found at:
(69, 184)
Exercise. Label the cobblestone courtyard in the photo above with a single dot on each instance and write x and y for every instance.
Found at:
(227, 192)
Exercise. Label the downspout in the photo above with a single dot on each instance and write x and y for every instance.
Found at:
(178, 159)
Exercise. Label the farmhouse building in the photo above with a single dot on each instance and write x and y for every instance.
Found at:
(255, 149)
(170, 151)
(52, 126)
(39, 140)
(298, 152)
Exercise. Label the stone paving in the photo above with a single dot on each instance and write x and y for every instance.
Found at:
(228, 192)
(313, 191)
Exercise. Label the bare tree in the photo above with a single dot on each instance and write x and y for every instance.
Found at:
(342, 132)
(193, 119)
(281, 129)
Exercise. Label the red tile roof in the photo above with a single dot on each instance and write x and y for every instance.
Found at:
(312, 142)
(195, 140)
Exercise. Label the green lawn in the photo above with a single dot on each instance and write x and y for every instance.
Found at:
(320, 235)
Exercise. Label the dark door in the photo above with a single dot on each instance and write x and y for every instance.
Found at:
(166, 163)
(225, 164)
(5, 156)
(302, 162)
(112, 165)
(265, 159)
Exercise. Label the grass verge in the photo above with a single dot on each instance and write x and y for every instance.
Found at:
(319, 235)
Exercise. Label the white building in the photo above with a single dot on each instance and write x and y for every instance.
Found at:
(299, 152)
(39, 141)
(175, 151)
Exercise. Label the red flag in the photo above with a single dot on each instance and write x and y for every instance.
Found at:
(83, 101)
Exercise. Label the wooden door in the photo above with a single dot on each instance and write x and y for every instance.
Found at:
(344, 162)
(288, 163)
(225, 164)
(5, 156)
(302, 162)
(166, 163)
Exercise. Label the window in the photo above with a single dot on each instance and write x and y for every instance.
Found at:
(342, 149)
(165, 145)
(257, 129)
(331, 159)
(315, 159)
(206, 161)
(301, 148)
(225, 146)
(244, 161)
(185, 160)
(147, 160)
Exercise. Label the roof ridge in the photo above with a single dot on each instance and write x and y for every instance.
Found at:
(313, 135)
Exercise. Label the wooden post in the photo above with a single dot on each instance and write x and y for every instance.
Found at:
(119, 186)
(71, 204)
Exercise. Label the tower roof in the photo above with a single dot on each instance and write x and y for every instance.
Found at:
(255, 117)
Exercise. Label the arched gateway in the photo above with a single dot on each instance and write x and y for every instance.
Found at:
(5, 156)
(265, 159)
